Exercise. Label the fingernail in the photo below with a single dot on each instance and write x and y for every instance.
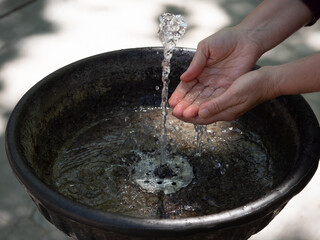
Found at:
(204, 113)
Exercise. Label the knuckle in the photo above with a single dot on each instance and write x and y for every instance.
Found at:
(201, 45)
(215, 107)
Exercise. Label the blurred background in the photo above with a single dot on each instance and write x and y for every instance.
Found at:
(39, 36)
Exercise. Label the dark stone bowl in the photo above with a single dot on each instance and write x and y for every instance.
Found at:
(53, 108)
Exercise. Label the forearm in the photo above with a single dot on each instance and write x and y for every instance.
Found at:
(273, 21)
(301, 76)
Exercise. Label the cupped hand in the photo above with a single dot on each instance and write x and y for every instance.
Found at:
(245, 93)
(219, 60)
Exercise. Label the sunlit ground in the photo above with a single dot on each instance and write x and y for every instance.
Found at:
(45, 35)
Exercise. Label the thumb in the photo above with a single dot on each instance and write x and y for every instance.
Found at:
(220, 107)
(212, 108)
(197, 64)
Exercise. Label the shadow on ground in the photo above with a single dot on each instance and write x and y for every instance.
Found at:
(19, 19)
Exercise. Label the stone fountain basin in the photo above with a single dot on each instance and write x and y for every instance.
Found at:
(53, 109)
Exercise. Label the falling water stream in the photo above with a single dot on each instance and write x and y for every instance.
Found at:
(171, 29)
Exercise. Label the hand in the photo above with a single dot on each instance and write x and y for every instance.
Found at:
(219, 60)
(246, 92)
(225, 56)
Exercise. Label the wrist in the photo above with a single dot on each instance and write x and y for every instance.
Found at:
(271, 77)
(297, 77)
(249, 37)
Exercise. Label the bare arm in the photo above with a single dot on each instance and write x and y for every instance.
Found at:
(301, 76)
(275, 20)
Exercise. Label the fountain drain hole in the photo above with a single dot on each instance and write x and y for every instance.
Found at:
(177, 173)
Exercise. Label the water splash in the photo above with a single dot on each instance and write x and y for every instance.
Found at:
(171, 29)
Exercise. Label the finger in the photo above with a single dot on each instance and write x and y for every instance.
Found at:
(206, 95)
(228, 114)
(197, 64)
(217, 105)
(179, 109)
(193, 109)
(180, 92)
(187, 100)
(189, 120)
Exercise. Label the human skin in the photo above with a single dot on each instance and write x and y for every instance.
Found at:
(219, 84)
